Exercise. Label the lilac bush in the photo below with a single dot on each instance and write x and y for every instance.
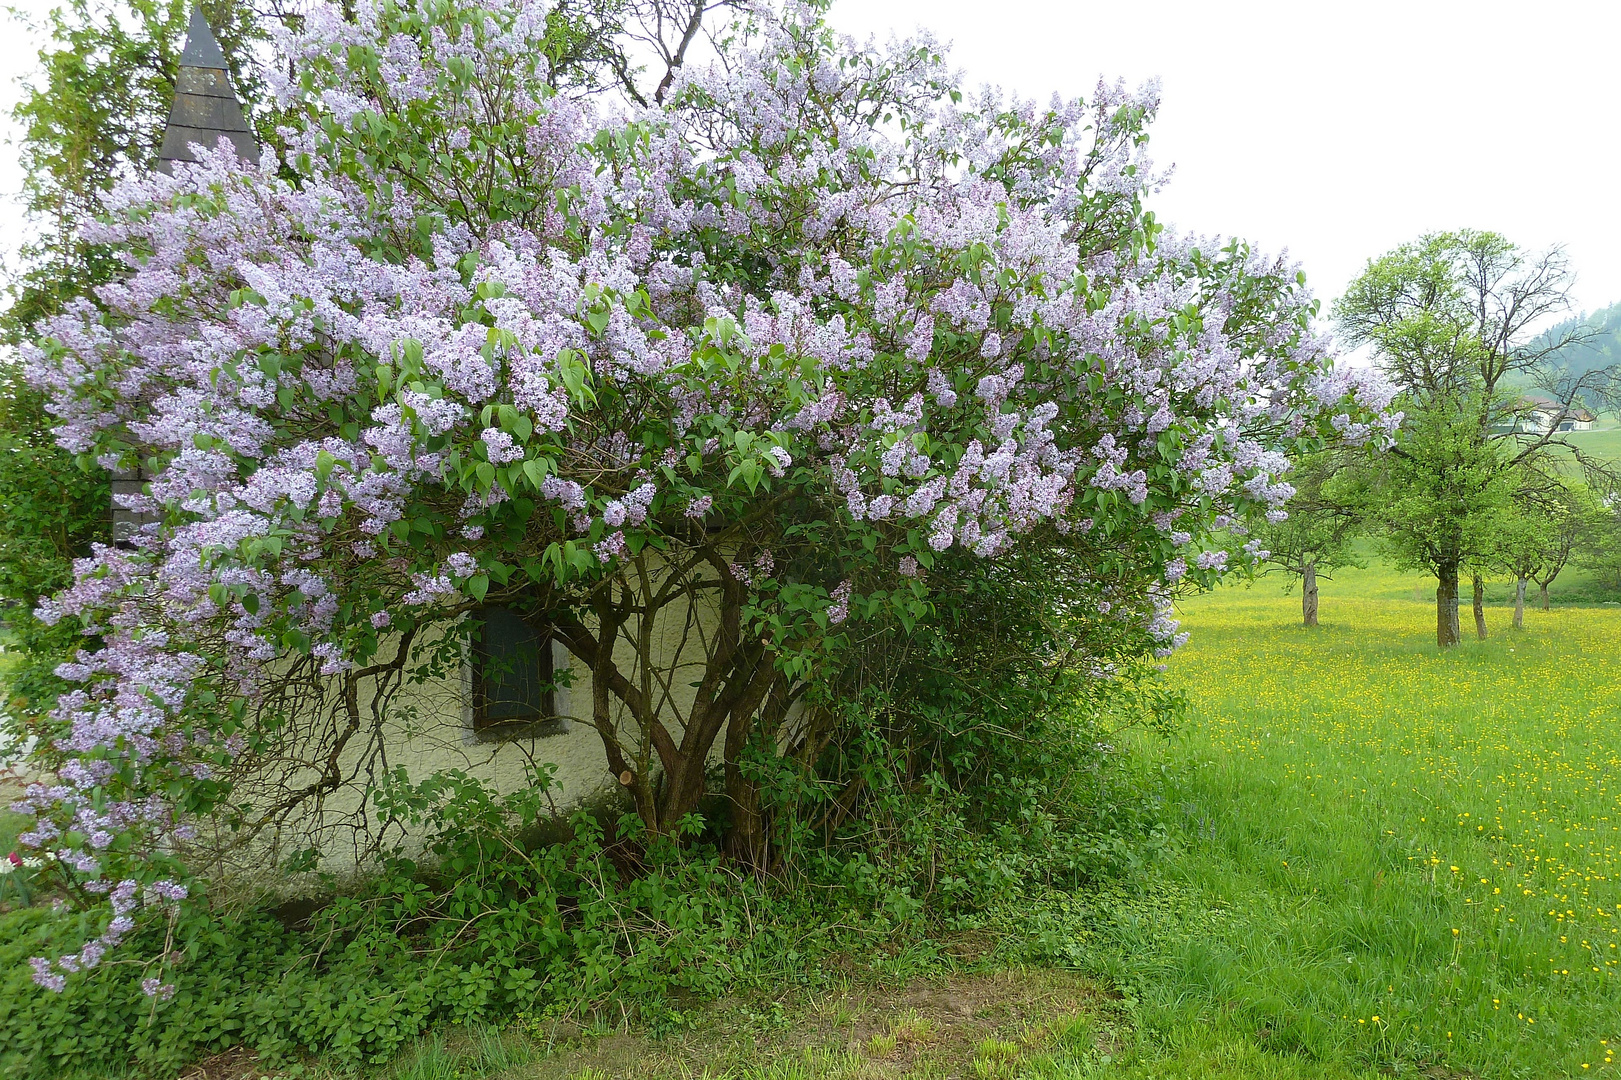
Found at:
(765, 351)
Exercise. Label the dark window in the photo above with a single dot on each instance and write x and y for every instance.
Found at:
(513, 690)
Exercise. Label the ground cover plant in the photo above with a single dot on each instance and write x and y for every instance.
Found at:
(1299, 923)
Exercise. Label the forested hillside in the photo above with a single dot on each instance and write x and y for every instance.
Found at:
(1601, 350)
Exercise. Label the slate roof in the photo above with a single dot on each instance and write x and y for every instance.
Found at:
(205, 103)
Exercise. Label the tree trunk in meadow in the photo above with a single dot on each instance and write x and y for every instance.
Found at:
(1308, 593)
(1544, 589)
(1519, 604)
(1480, 608)
(1447, 631)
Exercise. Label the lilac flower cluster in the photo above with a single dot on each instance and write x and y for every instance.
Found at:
(122, 900)
(944, 334)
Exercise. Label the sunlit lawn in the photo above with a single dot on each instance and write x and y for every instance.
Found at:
(1412, 858)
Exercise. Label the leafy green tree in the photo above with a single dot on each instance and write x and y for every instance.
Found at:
(1546, 531)
(1600, 549)
(1450, 319)
(53, 511)
(1573, 518)
(1317, 537)
(1523, 537)
(1435, 496)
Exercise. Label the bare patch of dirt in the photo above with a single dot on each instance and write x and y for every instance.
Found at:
(965, 1026)
(237, 1063)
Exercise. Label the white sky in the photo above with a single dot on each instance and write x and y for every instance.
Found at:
(1336, 130)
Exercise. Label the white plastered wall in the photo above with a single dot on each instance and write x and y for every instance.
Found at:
(429, 729)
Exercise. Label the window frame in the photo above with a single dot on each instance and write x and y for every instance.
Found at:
(548, 720)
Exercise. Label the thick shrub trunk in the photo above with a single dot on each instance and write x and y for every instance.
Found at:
(1480, 608)
(1447, 631)
(1308, 593)
(658, 746)
(1519, 604)
(747, 839)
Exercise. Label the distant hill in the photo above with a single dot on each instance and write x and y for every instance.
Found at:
(1602, 351)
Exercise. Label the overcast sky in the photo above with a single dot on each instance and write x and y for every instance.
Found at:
(1335, 130)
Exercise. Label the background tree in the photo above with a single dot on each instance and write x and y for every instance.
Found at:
(1317, 536)
(1434, 502)
(1544, 531)
(1597, 343)
(1600, 552)
(1451, 320)
(53, 511)
(1522, 537)
(1575, 518)
(93, 114)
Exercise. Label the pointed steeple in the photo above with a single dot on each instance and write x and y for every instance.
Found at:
(205, 103)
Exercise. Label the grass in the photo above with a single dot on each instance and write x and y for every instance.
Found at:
(1603, 441)
(1405, 858)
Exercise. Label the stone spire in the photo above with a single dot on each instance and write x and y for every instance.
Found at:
(205, 104)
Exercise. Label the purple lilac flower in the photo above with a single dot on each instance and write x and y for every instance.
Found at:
(839, 609)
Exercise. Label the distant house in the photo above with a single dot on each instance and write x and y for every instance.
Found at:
(1539, 415)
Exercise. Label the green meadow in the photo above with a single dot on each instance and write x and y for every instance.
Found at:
(1393, 857)
(1602, 442)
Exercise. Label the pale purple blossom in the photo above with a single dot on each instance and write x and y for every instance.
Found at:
(45, 977)
(157, 988)
(839, 607)
(499, 447)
